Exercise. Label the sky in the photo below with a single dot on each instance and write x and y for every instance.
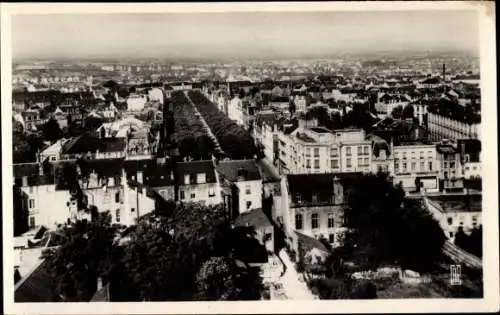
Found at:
(257, 34)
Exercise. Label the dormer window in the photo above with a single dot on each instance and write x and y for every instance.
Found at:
(201, 178)
(187, 179)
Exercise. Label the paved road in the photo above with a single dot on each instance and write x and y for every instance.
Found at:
(293, 287)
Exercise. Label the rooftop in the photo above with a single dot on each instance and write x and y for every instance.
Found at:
(193, 168)
(239, 170)
(255, 218)
(458, 203)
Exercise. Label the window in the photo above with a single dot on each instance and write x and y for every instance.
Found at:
(451, 234)
(132, 210)
(308, 163)
(366, 150)
(334, 152)
(413, 166)
(366, 162)
(201, 178)
(360, 161)
(421, 154)
(422, 165)
(53, 158)
(360, 150)
(248, 189)
(335, 163)
(413, 155)
(298, 198)
(32, 203)
(430, 166)
(249, 205)
(316, 152)
(314, 221)
(404, 166)
(298, 222)
(211, 192)
(193, 195)
(429, 153)
(348, 151)
(187, 179)
(330, 220)
(32, 222)
(445, 164)
(30, 189)
(450, 221)
(117, 215)
(316, 164)
(452, 164)
(308, 151)
(117, 197)
(182, 195)
(348, 163)
(331, 238)
(404, 155)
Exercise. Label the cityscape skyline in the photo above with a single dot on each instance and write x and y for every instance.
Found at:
(243, 35)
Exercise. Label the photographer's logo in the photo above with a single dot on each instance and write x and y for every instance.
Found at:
(455, 275)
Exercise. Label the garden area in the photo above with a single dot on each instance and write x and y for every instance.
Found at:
(236, 142)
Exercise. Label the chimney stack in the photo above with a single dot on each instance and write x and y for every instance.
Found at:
(444, 71)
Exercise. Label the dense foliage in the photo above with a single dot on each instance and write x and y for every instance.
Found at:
(163, 258)
(236, 142)
(389, 229)
(472, 243)
(192, 136)
(85, 256)
(25, 146)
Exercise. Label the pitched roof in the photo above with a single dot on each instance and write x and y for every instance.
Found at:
(25, 169)
(320, 185)
(193, 168)
(308, 243)
(90, 143)
(36, 287)
(255, 218)
(232, 170)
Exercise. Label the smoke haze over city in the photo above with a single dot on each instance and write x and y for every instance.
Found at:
(221, 35)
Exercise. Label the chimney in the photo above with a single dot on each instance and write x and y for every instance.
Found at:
(241, 175)
(40, 169)
(25, 181)
(444, 71)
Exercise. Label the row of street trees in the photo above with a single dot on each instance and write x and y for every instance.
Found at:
(234, 139)
(192, 137)
(185, 256)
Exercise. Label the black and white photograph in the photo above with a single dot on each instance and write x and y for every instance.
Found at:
(253, 155)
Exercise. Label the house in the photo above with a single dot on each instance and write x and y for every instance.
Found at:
(235, 110)
(114, 185)
(455, 211)
(244, 181)
(470, 151)
(442, 127)
(197, 181)
(316, 204)
(319, 150)
(45, 199)
(91, 145)
(136, 103)
(451, 167)
(263, 228)
(382, 155)
(416, 167)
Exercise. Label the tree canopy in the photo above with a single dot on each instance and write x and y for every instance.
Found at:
(167, 257)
